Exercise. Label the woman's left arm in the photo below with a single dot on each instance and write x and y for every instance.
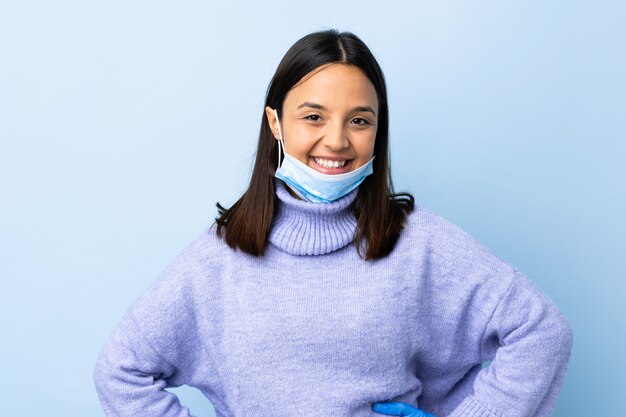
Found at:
(529, 342)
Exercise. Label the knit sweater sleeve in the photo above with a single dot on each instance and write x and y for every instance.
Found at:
(153, 347)
(529, 342)
(131, 377)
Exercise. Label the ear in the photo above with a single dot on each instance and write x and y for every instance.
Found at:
(271, 118)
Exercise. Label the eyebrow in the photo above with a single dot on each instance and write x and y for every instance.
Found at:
(320, 107)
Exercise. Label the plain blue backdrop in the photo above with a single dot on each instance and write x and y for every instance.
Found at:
(123, 123)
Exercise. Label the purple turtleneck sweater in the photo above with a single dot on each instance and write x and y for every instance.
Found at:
(311, 329)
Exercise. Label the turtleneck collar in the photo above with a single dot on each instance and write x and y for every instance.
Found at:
(304, 228)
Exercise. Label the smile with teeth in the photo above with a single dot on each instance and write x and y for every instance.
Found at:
(330, 164)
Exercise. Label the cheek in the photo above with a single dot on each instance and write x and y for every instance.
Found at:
(299, 141)
(365, 146)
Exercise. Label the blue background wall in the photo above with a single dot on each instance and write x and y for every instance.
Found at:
(122, 123)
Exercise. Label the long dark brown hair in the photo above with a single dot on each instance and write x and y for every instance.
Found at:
(380, 213)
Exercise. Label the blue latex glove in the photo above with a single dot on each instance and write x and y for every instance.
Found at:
(399, 409)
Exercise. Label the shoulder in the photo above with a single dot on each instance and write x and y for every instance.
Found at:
(424, 223)
(446, 243)
(203, 249)
(187, 270)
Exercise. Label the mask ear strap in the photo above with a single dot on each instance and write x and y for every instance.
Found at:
(280, 140)
(280, 145)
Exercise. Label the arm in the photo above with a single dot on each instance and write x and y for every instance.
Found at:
(131, 377)
(529, 342)
(155, 345)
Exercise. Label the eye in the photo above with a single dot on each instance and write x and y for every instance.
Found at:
(362, 122)
(313, 115)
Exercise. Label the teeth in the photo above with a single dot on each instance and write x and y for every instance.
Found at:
(330, 164)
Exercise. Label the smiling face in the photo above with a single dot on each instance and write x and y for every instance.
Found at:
(329, 119)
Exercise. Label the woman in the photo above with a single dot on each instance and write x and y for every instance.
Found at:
(320, 292)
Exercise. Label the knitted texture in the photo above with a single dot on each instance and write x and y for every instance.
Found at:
(311, 329)
(304, 228)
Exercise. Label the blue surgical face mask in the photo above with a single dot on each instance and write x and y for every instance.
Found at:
(315, 186)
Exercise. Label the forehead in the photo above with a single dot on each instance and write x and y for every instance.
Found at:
(334, 86)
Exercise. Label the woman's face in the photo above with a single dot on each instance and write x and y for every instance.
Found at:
(329, 119)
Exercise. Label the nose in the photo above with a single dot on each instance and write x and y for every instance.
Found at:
(336, 138)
